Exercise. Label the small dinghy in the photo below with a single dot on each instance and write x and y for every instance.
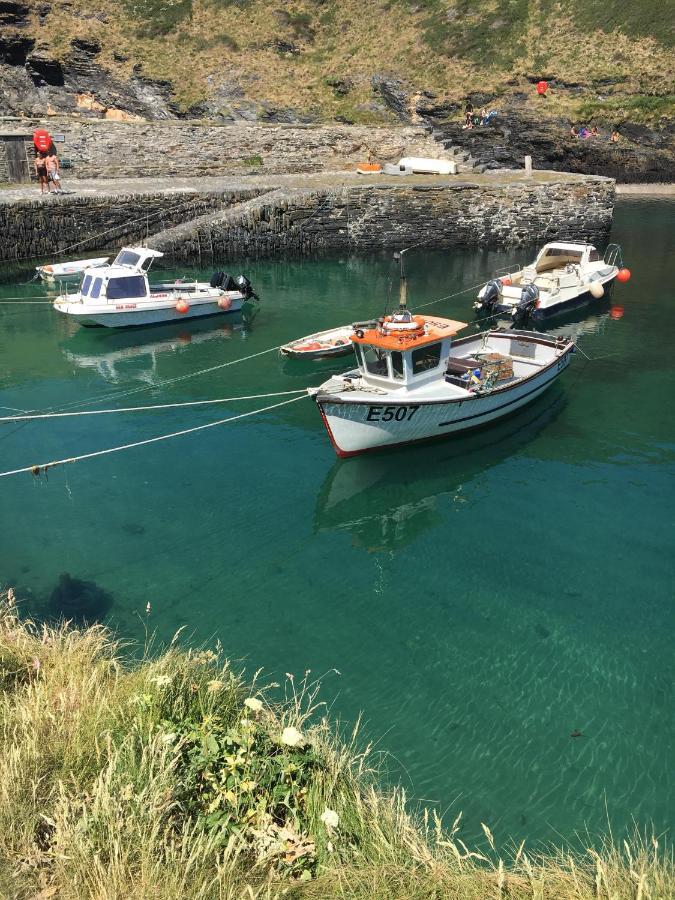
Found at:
(322, 345)
(563, 275)
(120, 296)
(69, 271)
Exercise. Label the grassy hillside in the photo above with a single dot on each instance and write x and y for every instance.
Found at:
(290, 56)
(173, 778)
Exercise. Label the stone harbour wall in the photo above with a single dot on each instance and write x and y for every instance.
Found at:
(78, 225)
(373, 217)
(130, 149)
(271, 219)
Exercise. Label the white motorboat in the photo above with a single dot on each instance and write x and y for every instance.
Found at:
(414, 383)
(69, 271)
(421, 165)
(322, 345)
(562, 276)
(120, 295)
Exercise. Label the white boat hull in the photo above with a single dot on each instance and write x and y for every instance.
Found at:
(127, 314)
(356, 427)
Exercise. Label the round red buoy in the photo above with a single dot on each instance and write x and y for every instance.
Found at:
(182, 307)
(42, 140)
(505, 280)
(542, 87)
(225, 302)
(616, 312)
(623, 275)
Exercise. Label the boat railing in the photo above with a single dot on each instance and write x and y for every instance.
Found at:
(613, 255)
(508, 270)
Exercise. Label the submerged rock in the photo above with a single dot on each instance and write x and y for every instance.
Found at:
(83, 602)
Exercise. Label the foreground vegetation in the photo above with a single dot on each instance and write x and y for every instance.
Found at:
(172, 777)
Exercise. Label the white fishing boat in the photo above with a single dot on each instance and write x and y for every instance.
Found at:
(120, 295)
(322, 345)
(69, 271)
(414, 382)
(562, 276)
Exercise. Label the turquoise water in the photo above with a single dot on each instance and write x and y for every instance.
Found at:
(482, 598)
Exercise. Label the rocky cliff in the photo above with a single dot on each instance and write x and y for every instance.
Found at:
(389, 61)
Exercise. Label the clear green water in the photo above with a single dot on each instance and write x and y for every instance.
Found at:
(482, 598)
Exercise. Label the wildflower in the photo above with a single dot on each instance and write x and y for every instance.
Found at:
(291, 737)
(147, 608)
(330, 818)
(161, 680)
(214, 686)
(253, 703)
(11, 596)
(169, 737)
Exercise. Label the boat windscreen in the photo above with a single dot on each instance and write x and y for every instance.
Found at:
(132, 286)
(85, 284)
(127, 258)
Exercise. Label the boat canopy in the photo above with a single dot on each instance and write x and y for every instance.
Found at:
(400, 351)
(136, 257)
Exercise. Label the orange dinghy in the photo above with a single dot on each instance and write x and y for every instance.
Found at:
(368, 169)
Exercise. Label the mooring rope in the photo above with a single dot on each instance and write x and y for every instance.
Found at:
(130, 409)
(44, 467)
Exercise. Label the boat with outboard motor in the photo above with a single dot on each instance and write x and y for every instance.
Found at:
(563, 275)
(68, 271)
(119, 295)
(414, 382)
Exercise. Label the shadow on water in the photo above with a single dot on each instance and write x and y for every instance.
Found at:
(79, 601)
(387, 500)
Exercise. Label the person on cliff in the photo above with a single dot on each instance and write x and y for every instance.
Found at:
(614, 136)
(468, 114)
(41, 172)
(53, 170)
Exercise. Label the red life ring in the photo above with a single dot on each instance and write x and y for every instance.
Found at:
(42, 140)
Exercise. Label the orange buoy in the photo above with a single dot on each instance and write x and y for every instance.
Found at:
(616, 312)
(182, 306)
(542, 87)
(623, 275)
(506, 280)
(225, 302)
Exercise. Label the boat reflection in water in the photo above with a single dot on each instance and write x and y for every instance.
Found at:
(125, 356)
(387, 501)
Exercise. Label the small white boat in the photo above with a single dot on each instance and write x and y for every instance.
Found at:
(120, 295)
(322, 345)
(562, 276)
(69, 271)
(414, 383)
(421, 165)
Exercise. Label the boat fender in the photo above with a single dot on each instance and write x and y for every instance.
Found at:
(182, 306)
(489, 294)
(225, 302)
(358, 333)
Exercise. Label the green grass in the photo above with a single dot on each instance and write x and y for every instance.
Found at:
(172, 777)
(157, 17)
(637, 108)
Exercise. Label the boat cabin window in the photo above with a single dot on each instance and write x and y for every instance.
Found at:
(594, 256)
(127, 288)
(127, 258)
(96, 289)
(397, 364)
(375, 360)
(426, 358)
(86, 281)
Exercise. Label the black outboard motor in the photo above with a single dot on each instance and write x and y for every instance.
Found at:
(243, 285)
(489, 295)
(528, 302)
